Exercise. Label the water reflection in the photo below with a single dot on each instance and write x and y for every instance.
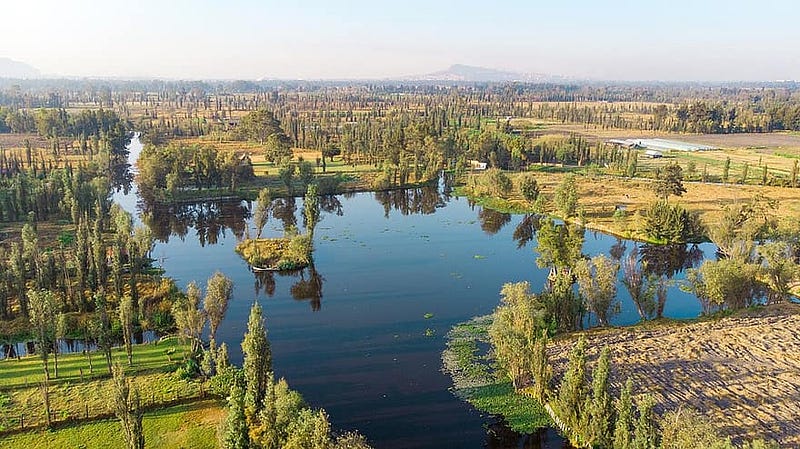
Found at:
(669, 260)
(208, 219)
(419, 200)
(526, 229)
(492, 221)
(307, 288)
(500, 436)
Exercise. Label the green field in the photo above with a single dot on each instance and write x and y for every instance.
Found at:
(27, 371)
(183, 426)
(73, 397)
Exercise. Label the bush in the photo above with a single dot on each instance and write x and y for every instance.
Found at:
(668, 223)
(528, 187)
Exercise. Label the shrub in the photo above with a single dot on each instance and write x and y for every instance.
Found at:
(669, 223)
(528, 187)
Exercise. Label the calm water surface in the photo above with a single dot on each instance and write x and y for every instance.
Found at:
(350, 334)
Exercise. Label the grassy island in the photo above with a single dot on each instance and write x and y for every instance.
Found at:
(277, 254)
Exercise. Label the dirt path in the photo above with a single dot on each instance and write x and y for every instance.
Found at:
(743, 372)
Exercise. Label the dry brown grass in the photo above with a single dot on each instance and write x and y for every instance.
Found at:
(600, 195)
(743, 372)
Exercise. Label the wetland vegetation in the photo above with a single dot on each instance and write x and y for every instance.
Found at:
(223, 165)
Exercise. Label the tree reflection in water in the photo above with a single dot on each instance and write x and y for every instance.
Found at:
(307, 288)
(492, 221)
(500, 436)
(669, 260)
(526, 229)
(209, 219)
(419, 200)
(285, 210)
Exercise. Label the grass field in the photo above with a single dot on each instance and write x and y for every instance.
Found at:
(184, 426)
(600, 195)
(151, 357)
(76, 397)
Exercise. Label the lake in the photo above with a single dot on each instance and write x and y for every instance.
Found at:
(352, 335)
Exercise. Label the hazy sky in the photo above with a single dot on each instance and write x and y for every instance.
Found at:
(248, 39)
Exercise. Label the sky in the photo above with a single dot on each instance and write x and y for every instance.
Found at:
(698, 40)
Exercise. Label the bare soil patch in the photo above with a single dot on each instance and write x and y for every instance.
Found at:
(743, 372)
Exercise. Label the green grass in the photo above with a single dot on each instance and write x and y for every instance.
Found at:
(74, 398)
(183, 426)
(161, 357)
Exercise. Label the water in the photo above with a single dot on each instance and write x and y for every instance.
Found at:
(350, 334)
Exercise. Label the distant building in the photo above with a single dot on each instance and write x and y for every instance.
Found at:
(476, 165)
(660, 145)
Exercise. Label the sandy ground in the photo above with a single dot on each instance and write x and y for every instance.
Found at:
(743, 372)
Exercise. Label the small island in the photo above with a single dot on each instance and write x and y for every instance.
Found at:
(290, 252)
(276, 254)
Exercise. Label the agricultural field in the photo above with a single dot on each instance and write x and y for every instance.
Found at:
(191, 425)
(742, 370)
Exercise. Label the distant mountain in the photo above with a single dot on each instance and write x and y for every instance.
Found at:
(472, 74)
(15, 69)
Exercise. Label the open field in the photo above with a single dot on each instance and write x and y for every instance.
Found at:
(182, 426)
(78, 394)
(599, 196)
(743, 371)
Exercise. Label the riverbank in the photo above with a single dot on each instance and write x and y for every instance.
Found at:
(740, 371)
(615, 205)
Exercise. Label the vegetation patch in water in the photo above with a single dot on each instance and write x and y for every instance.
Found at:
(468, 361)
(285, 253)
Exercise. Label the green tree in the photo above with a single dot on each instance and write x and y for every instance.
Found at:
(259, 125)
(566, 197)
(623, 425)
(190, 319)
(277, 147)
(572, 389)
(599, 409)
(126, 315)
(597, 282)
(234, 431)
(257, 361)
(215, 304)
(529, 187)
(43, 320)
(261, 211)
(669, 182)
(726, 283)
(795, 170)
(541, 370)
(128, 408)
(687, 429)
(645, 433)
(779, 269)
(513, 331)
(305, 172)
(559, 246)
(745, 170)
(286, 175)
(310, 431)
(311, 210)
